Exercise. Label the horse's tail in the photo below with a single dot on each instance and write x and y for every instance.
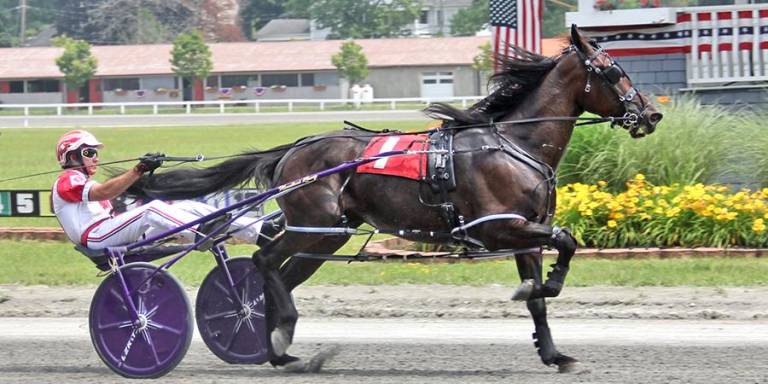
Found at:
(188, 183)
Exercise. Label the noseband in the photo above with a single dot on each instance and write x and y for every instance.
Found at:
(611, 75)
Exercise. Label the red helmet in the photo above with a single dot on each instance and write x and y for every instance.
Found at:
(73, 140)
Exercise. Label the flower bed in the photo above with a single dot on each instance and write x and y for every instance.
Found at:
(664, 216)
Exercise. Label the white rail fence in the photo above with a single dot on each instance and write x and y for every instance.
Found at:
(223, 106)
(728, 44)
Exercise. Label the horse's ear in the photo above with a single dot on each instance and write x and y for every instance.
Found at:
(576, 38)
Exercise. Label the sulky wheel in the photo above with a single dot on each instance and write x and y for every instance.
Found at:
(233, 328)
(153, 344)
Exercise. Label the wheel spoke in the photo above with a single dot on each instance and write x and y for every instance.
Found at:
(166, 328)
(221, 315)
(148, 339)
(116, 325)
(224, 289)
(231, 341)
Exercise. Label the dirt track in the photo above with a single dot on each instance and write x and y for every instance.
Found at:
(450, 302)
(511, 359)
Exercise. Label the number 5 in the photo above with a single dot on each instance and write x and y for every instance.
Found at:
(25, 203)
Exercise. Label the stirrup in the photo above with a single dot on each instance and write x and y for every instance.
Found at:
(206, 228)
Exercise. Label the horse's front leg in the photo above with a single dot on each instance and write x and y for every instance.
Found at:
(529, 268)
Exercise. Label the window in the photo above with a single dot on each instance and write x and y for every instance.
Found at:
(307, 79)
(289, 80)
(16, 87)
(234, 80)
(424, 17)
(212, 81)
(126, 84)
(36, 86)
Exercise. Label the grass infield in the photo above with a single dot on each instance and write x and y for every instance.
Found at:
(56, 263)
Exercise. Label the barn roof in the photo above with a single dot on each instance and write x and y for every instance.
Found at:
(284, 56)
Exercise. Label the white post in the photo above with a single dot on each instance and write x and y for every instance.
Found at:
(122, 109)
(221, 107)
(737, 69)
(322, 105)
(26, 111)
(392, 105)
(58, 110)
(90, 109)
(464, 103)
(188, 108)
(696, 74)
(759, 69)
(290, 106)
(154, 109)
(716, 65)
(256, 106)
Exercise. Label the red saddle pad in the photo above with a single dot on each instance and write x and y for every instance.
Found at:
(408, 166)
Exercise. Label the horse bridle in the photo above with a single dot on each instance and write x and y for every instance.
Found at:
(612, 75)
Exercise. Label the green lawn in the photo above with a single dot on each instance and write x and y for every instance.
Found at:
(56, 263)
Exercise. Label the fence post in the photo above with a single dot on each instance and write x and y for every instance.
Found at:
(58, 110)
(26, 111)
(464, 103)
(256, 106)
(154, 109)
(122, 109)
(221, 107)
(322, 105)
(189, 108)
(90, 109)
(392, 105)
(290, 106)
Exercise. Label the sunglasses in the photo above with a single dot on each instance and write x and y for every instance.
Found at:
(89, 152)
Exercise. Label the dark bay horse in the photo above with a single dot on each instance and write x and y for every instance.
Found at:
(501, 168)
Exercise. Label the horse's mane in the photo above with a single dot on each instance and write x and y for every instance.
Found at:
(520, 73)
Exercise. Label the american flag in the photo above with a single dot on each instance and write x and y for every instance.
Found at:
(706, 31)
(515, 22)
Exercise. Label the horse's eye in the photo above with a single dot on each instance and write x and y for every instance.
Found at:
(613, 74)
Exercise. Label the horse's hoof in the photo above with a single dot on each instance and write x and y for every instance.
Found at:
(316, 362)
(567, 364)
(314, 365)
(524, 291)
(281, 340)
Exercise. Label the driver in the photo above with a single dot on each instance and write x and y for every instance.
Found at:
(84, 211)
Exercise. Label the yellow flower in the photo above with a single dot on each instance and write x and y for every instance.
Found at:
(612, 223)
(758, 225)
(639, 177)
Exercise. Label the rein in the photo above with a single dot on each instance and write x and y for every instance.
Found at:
(300, 143)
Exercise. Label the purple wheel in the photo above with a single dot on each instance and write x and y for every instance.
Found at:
(154, 344)
(234, 331)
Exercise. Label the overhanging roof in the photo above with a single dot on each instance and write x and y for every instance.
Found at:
(135, 60)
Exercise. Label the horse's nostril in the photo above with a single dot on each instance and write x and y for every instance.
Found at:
(655, 117)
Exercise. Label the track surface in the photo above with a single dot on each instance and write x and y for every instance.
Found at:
(48, 350)
(435, 334)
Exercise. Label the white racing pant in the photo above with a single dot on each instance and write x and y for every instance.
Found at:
(156, 217)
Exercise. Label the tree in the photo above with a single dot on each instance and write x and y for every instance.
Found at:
(468, 21)
(140, 21)
(190, 56)
(361, 18)
(351, 62)
(76, 63)
(483, 62)
(72, 18)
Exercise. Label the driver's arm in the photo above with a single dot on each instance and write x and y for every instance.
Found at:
(113, 187)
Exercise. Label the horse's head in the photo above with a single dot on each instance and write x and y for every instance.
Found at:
(608, 91)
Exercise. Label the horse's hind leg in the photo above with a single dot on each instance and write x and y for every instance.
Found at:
(529, 268)
(297, 270)
(281, 311)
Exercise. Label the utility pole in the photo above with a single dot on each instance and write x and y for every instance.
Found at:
(23, 14)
